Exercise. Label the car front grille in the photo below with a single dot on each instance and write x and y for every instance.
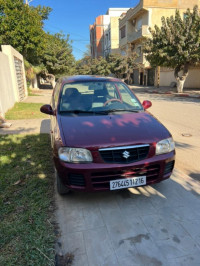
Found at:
(125, 155)
(77, 180)
(101, 180)
(169, 167)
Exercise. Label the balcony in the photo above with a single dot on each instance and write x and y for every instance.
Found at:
(137, 34)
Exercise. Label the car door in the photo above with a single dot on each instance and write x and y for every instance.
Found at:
(54, 104)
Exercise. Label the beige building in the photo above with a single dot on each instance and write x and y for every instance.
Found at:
(104, 33)
(134, 26)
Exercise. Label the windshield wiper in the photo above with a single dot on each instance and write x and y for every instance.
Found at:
(124, 110)
(84, 112)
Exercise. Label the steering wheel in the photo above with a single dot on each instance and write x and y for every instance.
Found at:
(112, 100)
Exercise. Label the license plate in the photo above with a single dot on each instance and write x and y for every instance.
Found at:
(128, 182)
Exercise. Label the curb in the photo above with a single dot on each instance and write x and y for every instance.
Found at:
(174, 94)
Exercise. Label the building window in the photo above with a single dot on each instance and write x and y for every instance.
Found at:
(106, 38)
(185, 16)
(123, 53)
(123, 32)
(139, 50)
(139, 24)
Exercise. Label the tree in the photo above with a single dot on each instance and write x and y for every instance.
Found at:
(88, 51)
(176, 44)
(123, 64)
(83, 66)
(31, 74)
(100, 67)
(116, 63)
(21, 26)
(88, 66)
(57, 57)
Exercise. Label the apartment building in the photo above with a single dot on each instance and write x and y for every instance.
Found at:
(104, 33)
(134, 26)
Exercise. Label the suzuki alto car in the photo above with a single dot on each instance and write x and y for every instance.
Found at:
(103, 138)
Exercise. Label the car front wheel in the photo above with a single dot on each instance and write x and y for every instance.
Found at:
(61, 188)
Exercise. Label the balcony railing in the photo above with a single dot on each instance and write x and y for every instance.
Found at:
(137, 34)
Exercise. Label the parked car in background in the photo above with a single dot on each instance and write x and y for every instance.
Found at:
(103, 138)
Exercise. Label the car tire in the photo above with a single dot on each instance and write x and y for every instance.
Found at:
(61, 188)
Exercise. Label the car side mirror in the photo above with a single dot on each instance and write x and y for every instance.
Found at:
(46, 109)
(146, 104)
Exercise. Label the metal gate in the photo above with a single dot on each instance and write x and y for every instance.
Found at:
(20, 79)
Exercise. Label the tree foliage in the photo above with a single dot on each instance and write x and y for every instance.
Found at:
(83, 66)
(176, 44)
(123, 65)
(115, 64)
(88, 66)
(100, 67)
(57, 57)
(22, 27)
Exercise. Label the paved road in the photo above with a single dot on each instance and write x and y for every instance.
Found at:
(180, 116)
(154, 225)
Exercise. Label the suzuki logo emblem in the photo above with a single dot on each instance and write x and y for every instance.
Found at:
(126, 154)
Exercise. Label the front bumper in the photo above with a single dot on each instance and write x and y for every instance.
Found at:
(97, 176)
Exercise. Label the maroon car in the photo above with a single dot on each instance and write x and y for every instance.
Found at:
(103, 138)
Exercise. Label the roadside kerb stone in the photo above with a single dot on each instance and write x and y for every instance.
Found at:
(173, 94)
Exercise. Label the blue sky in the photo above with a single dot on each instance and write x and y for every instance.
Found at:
(74, 17)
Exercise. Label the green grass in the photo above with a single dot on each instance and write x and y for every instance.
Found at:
(26, 200)
(25, 111)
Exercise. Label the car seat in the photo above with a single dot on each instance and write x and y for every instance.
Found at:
(100, 97)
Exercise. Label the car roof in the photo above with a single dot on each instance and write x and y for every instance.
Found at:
(86, 78)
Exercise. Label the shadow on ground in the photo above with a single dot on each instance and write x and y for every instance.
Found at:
(152, 225)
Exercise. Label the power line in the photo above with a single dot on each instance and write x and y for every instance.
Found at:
(78, 49)
(80, 40)
(53, 26)
(75, 40)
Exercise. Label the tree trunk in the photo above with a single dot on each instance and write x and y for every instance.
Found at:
(181, 79)
(51, 79)
(35, 82)
(180, 85)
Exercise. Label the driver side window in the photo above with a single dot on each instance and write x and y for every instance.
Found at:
(127, 96)
(55, 96)
(112, 91)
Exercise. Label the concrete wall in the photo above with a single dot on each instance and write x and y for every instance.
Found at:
(116, 12)
(9, 92)
(7, 95)
(157, 13)
(170, 3)
(192, 81)
(114, 25)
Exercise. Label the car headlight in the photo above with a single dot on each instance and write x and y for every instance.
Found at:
(74, 155)
(165, 146)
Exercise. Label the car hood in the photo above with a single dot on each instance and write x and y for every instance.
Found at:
(111, 130)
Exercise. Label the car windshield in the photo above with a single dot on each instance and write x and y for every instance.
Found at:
(98, 97)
